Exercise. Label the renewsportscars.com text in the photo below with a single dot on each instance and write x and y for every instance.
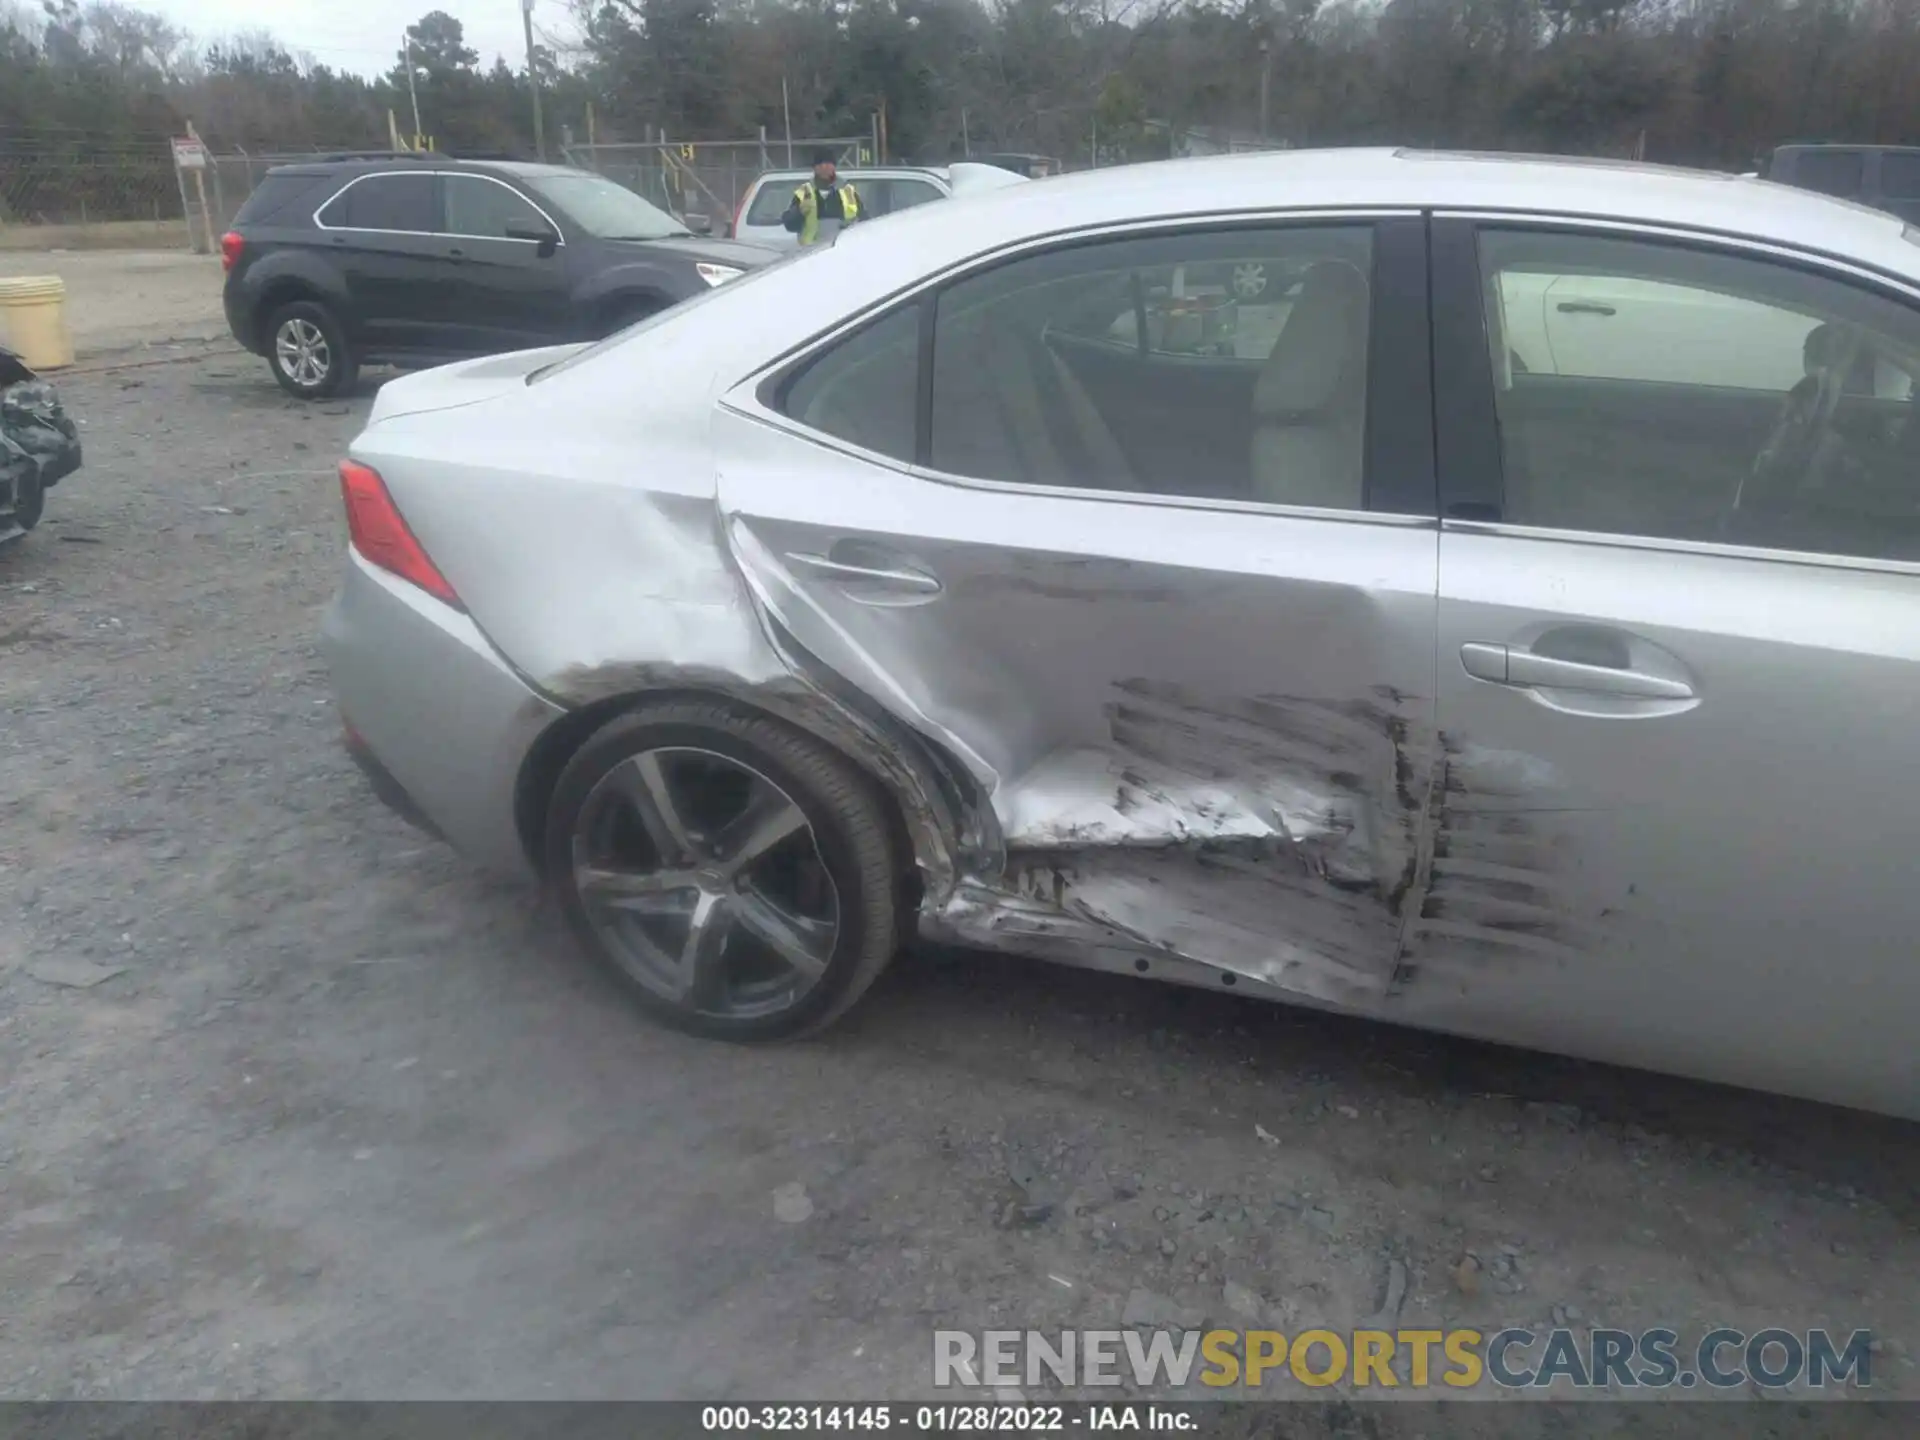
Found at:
(1509, 1359)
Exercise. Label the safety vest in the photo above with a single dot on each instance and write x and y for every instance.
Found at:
(809, 200)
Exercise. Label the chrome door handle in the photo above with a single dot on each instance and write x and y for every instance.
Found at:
(1504, 665)
(913, 582)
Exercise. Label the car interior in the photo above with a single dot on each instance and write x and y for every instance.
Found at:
(1163, 380)
(1831, 465)
(1239, 376)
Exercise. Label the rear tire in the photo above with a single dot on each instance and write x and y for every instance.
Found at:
(308, 353)
(799, 927)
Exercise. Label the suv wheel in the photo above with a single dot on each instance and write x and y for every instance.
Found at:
(308, 351)
(736, 875)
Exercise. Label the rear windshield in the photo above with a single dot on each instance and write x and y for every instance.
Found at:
(274, 194)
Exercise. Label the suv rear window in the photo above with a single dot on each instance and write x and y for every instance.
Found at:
(275, 193)
(383, 202)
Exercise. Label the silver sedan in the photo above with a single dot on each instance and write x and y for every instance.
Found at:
(1504, 620)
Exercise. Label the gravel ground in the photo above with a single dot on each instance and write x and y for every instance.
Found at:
(119, 300)
(298, 1103)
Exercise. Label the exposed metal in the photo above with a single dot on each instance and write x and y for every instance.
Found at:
(39, 443)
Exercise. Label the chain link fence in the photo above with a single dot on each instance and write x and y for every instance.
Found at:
(82, 191)
(83, 180)
(707, 177)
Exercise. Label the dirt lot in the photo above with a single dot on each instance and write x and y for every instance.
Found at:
(296, 1103)
(120, 300)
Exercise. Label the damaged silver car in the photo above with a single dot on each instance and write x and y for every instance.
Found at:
(1454, 630)
(39, 445)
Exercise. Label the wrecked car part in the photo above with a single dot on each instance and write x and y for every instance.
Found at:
(39, 443)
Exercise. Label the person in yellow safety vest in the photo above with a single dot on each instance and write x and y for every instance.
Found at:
(823, 206)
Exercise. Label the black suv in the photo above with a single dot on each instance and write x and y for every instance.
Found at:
(419, 259)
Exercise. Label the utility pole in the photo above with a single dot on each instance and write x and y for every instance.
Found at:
(786, 114)
(533, 82)
(413, 94)
(1266, 82)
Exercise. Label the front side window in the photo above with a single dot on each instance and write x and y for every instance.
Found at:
(1224, 364)
(1651, 389)
(485, 209)
(401, 203)
(605, 210)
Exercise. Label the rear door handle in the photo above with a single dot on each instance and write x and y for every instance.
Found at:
(901, 579)
(457, 255)
(1584, 307)
(1524, 670)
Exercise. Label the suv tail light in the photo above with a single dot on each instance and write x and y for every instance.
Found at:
(381, 535)
(739, 211)
(231, 244)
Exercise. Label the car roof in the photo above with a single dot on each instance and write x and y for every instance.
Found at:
(1615, 190)
(859, 172)
(373, 161)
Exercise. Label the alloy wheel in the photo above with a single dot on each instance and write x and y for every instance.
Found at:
(705, 882)
(1249, 279)
(303, 353)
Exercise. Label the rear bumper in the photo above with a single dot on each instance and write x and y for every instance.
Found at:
(242, 317)
(438, 721)
(389, 791)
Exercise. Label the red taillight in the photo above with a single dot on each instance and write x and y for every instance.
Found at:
(382, 537)
(738, 211)
(231, 244)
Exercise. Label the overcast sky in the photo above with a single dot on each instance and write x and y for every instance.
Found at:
(364, 35)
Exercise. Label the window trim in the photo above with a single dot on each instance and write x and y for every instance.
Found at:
(434, 177)
(759, 396)
(433, 209)
(1472, 465)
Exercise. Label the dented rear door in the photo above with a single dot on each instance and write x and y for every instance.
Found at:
(1195, 727)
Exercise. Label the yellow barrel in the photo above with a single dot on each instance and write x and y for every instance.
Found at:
(33, 320)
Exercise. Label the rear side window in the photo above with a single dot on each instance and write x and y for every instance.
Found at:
(401, 203)
(865, 389)
(1831, 172)
(275, 194)
(771, 203)
(1900, 175)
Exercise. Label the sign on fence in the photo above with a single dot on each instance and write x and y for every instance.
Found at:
(189, 153)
